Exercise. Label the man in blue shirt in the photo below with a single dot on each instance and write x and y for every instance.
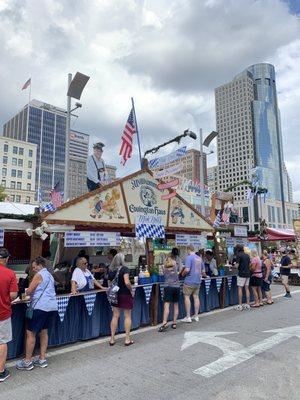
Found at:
(193, 271)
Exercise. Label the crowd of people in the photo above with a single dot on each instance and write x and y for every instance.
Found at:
(253, 271)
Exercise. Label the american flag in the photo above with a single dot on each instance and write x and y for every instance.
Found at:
(55, 196)
(226, 216)
(126, 145)
(26, 84)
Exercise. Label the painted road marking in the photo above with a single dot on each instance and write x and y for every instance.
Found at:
(234, 353)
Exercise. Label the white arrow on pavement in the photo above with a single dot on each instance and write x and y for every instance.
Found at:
(234, 353)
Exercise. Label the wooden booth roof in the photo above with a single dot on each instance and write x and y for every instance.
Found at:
(116, 206)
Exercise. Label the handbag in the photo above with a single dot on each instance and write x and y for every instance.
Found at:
(30, 308)
(112, 291)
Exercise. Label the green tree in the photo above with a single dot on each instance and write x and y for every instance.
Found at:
(2, 193)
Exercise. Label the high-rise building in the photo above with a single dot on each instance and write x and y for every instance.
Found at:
(44, 125)
(212, 178)
(18, 166)
(248, 123)
(78, 154)
(111, 171)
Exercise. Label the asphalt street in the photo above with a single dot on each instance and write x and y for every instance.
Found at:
(226, 355)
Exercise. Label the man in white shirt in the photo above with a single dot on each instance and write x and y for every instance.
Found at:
(96, 170)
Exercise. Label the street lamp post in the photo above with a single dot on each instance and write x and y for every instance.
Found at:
(202, 173)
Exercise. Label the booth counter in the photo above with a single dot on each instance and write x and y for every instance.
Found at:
(87, 315)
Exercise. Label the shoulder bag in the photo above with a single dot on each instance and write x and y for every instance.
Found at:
(30, 308)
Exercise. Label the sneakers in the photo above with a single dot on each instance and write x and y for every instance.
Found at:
(195, 318)
(287, 296)
(25, 365)
(4, 375)
(187, 319)
(37, 362)
(238, 308)
(246, 307)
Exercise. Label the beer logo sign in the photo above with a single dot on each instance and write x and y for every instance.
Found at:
(147, 196)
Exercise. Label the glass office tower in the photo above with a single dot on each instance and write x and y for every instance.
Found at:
(44, 125)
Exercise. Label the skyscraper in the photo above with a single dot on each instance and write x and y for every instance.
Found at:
(250, 142)
(78, 154)
(44, 125)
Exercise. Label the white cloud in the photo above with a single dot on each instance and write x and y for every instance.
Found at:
(168, 55)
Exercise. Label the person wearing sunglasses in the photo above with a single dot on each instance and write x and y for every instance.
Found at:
(82, 279)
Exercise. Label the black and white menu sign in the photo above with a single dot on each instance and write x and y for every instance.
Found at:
(1, 237)
(92, 239)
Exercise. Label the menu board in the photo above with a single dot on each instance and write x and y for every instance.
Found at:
(195, 240)
(92, 239)
(232, 241)
(1, 237)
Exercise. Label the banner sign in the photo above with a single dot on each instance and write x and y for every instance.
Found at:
(1, 237)
(231, 242)
(240, 231)
(92, 239)
(176, 155)
(168, 171)
(195, 240)
(168, 185)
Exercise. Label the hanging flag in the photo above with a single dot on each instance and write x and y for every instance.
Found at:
(147, 290)
(207, 282)
(26, 84)
(218, 220)
(62, 304)
(126, 139)
(162, 290)
(55, 196)
(48, 207)
(90, 302)
(218, 283)
(229, 281)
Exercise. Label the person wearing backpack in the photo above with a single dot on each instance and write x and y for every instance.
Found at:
(120, 283)
(267, 276)
(193, 271)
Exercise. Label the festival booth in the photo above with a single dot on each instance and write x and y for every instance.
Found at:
(136, 208)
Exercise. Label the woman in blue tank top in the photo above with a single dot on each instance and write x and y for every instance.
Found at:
(44, 305)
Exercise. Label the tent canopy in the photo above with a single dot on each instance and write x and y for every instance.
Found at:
(277, 234)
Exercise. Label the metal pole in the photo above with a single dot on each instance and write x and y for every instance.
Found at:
(40, 159)
(54, 152)
(202, 173)
(137, 132)
(68, 124)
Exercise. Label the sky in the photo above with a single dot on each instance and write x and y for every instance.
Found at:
(168, 55)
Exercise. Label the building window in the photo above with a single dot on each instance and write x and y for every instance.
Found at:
(12, 198)
(4, 171)
(20, 162)
(4, 159)
(30, 153)
(29, 164)
(3, 182)
(13, 184)
(14, 161)
(15, 150)
(19, 185)
(13, 173)
(27, 199)
(28, 175)
(21, 151)
(19, 174)
(18, 198)
(28, 186)
(5, 148)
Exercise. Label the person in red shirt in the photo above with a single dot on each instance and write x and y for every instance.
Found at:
(8, 292)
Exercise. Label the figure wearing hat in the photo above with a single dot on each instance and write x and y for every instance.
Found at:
(96, 171)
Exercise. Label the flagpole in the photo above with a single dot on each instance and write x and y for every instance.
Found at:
(137, 132)
(29, 92)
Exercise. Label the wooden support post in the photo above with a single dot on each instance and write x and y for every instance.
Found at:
(223, 293)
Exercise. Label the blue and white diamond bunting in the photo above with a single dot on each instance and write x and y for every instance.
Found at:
(149, 231)
(90, 302)
(218, 283)
(147, 290)
(207, 282)
(62, 304)
(229, 280)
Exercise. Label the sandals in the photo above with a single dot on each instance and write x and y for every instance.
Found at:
(269, 302)
(129, 343)
(163, 328)
(255, 305)
(174, 325)
(112, 343)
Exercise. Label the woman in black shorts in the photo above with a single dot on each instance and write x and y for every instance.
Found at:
(172, 288)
